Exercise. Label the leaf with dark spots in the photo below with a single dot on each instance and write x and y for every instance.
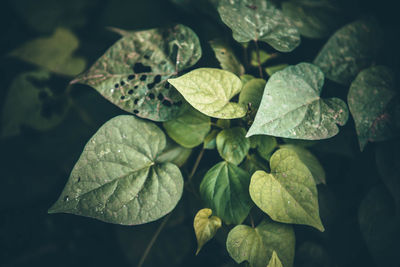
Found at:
(143, 61)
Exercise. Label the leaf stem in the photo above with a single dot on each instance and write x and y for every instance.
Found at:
(259, 60)
(251, 220)
(196, 164)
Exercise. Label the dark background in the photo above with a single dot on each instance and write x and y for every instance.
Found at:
(35, 165)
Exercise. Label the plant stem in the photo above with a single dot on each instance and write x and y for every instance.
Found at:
(258, 60)
(196, 164)
(251, 220)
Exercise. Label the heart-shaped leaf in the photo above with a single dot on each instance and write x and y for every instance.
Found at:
(226, 57)
(54, 53)
(351, 49)
(117, 178)
(259, 20)
(133, 73)
(189, 129)
(256, 245)
(371, 101)
(205, 227)
(274, 261)
(233, 145)
(292, 107)
(210, 90)
(288, 194)
(225, 190)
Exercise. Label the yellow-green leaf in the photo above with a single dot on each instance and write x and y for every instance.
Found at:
(205, 227)
(274, 261)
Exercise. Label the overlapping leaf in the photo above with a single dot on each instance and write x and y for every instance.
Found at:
(232, 144)
(226, 57)
(252, 93)
(205, 226)
(275, 261)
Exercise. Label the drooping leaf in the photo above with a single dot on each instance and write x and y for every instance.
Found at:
(210, 90)
(226, 57)
(274, 261)
(256, 245)
(224, 189)
(259, 20)
(288, 194)
(310, 161)
(252, 93)
(232, 144)
(30, 102)
(371, 102)
(117, 178)
(189, 129)
(133, 73)
(54, 53)
(292, 107)
(351, 49)
(315, 18)
(272, 69)
(210, 141)
(205, 227)
(264, 144)
(174, 153)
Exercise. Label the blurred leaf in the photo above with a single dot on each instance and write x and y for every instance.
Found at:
(312, 255)
(245, 78)
(253, 163)
(117, 178)
(264, 57)
(210, 90)
(291, 106)
(349, 50)
(252, 93)
(371, 99)
(174, 153)
(232, 144)
(210, 141)
(272, 69)
(274, 261)
(288, 194)
(256, 245)
(133, 72)
(224, 124)
(226, 57)
(205, 227)
(54, 53)
(264, 144)
(259, 20)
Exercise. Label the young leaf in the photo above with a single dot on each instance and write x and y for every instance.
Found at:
(259, 20)
(210, 141)
(252, 93)
(133, 73)
(117, 178)
(205, 227)
(209, 91)
(288, 194)
(189, 129)
(371, 99)
(310, 161)
(264, 57)
(272, 69)
(174, 153)
(351, 49)
(32, 104)
(264, 144)
(225, 190)
(54, 53)
(226, 57)
(256, 245)
(292, 107)
(232, 144)
(274, 261)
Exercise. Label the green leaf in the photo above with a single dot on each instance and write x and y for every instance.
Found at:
(315, 18)
(253, 163)
(310, 161)
(288, 194)
(256, 245)
(264, 144)
(272, 69)
(210, 141)
(117, 178)
(246, 78)
(225, 190)
(259, 20)
(252, 93)
(351, 49)
(292, 107)
(371, 100)
(30, 102)
(223, 123)
(54, 53)
(189, 129)
(264, 57)
(209, 91)
(232, 144)
(174, 153)
(274, 261)
(226, 57)
(133, 73)
(205, 227)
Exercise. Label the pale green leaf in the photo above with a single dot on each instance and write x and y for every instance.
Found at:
(252, 93)
(291, 106)
(210, 141)
(133, 73)
(189, 129)
(256, 245)
(225, 190)
(210, 90)
(54, 53)
(351, 49)
(274, 261)
(226, 57)
(205, 226)
(288, 194)
(30, 102)
(174, 153)
(232, 144)
(259, 20)
(371, 100)
(117, 178)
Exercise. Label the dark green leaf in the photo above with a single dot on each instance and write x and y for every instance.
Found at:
(210, 141)
(264, 144)
(232, 144)
(205, 227)
(174, 153)
(252, 93)
(253, 163)
(226, 57)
